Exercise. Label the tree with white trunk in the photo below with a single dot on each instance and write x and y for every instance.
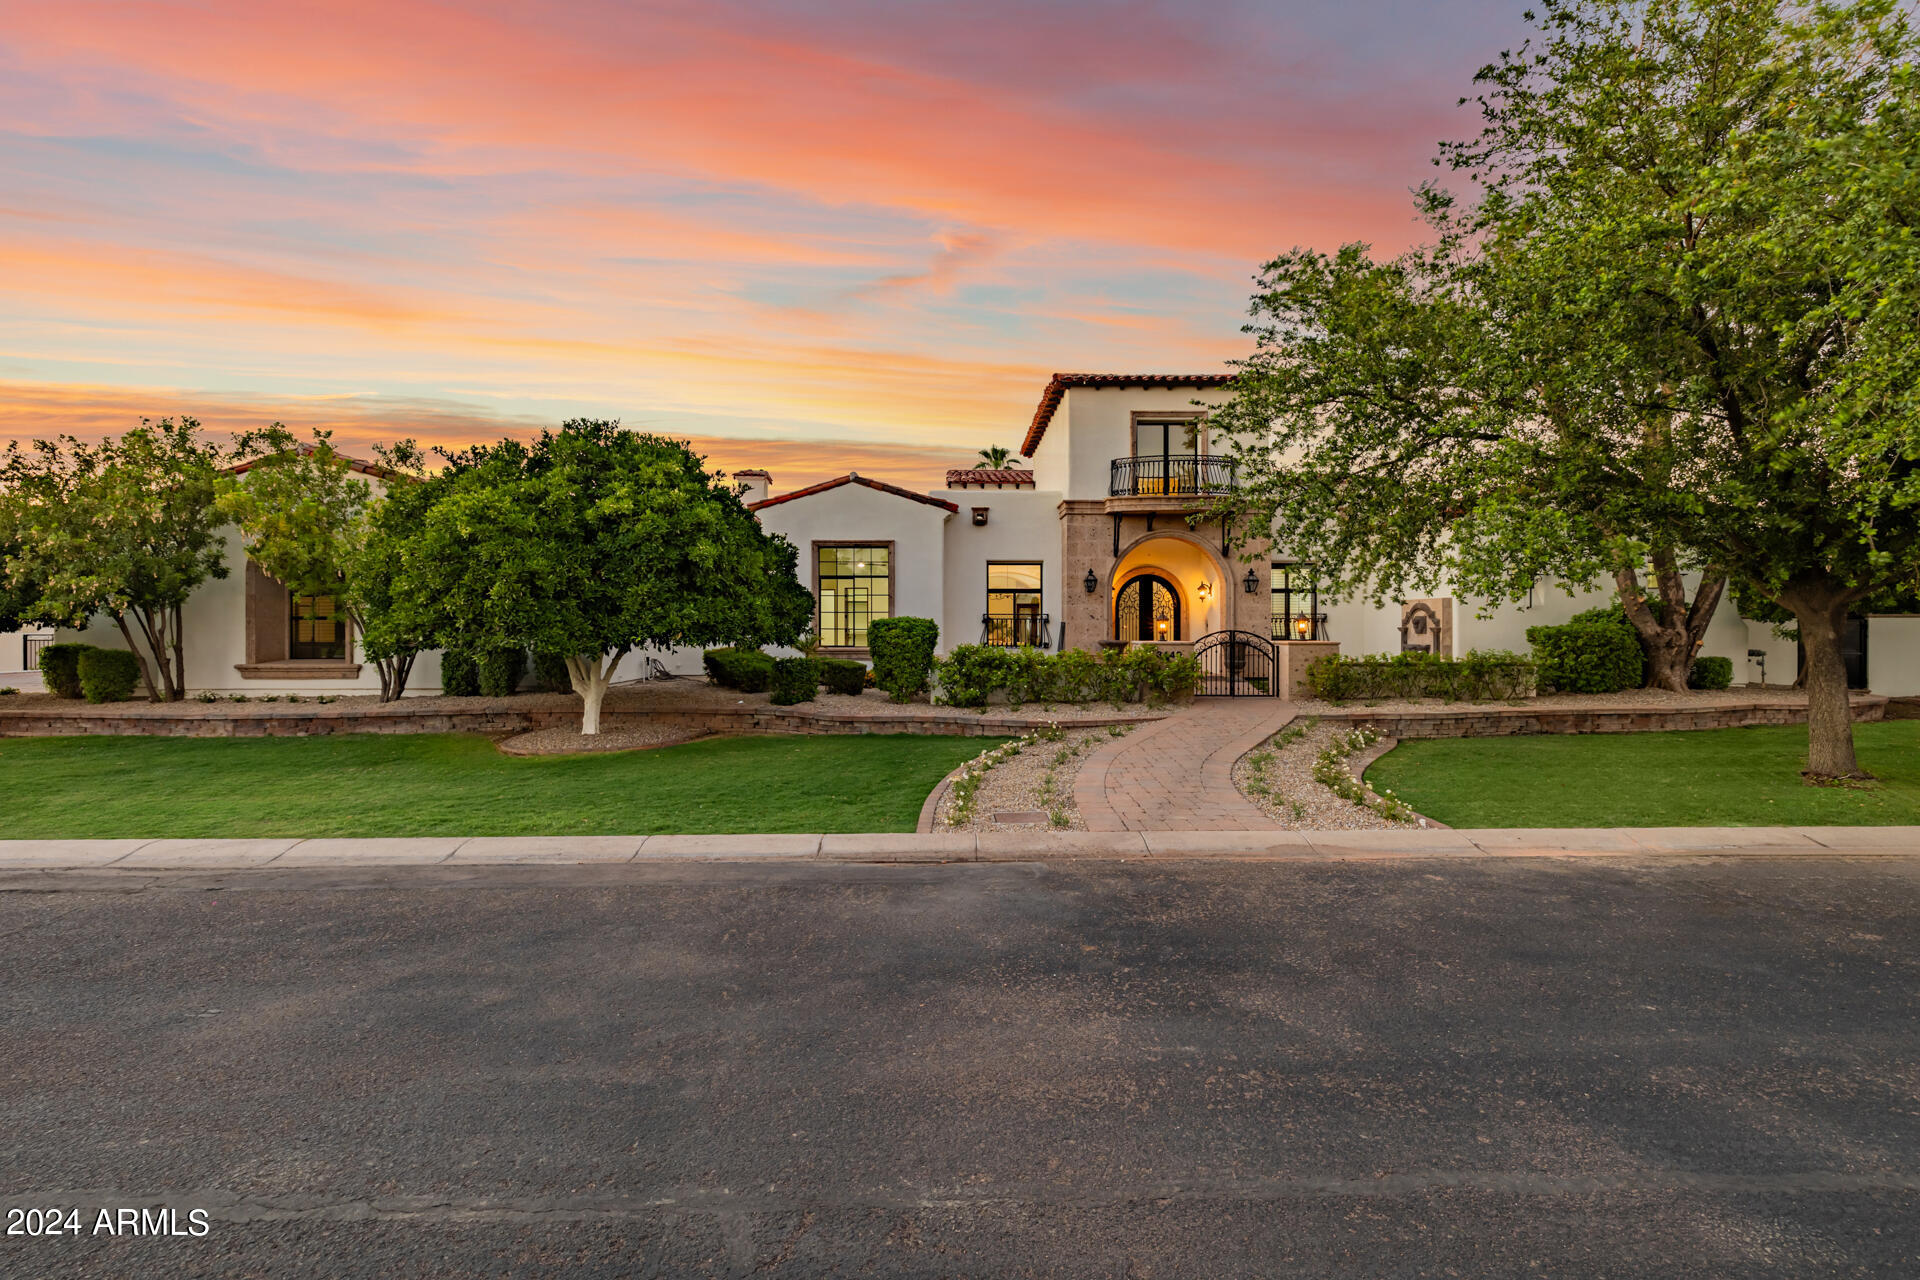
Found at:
(591, 542)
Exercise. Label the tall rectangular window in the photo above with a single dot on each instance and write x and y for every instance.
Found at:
(1296, 602)
(319, 629)
(1014, 616)
(856, 586)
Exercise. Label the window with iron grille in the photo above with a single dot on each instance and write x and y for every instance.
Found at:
(1014, 615)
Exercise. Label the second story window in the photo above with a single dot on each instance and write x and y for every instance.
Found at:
(1169, 458)
(1014, 616)
(856, 586)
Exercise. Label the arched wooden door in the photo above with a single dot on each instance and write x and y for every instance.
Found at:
(1147, 608)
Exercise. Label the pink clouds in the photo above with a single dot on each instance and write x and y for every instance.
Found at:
(787, 219)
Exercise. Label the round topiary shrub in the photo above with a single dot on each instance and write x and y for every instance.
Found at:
(550, 670)
(794, 680)
(500, 672)
(108, 675)
(842, 675)
(1710, 673)
(459, 674)
(60, 668)
(1593, 652)
(902, 650)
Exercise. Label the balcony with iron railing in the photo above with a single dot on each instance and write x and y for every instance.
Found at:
(1013, 631)
(1181, 476)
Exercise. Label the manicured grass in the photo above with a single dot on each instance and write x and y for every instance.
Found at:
(1711, 778)
(457, 784)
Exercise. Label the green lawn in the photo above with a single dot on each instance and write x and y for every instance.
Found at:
(1714, 777)
(457, 784)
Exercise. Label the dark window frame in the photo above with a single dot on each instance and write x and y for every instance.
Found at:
(819, 607)
(1282, 610)
(1018, 630)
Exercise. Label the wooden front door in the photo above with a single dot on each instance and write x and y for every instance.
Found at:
(1147, 608)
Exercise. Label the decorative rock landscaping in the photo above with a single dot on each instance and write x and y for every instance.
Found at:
(1026, 784)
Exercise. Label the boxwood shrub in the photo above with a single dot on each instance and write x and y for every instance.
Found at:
(1593, 652)
(1481, 676)
(459, 673)
(794, 680)
(970, 674)
(60, 668)
(1710, 673)
(747, 670)
(902, 650)
(108, 675)
(500, 672)
(550, 670)
(842, 675)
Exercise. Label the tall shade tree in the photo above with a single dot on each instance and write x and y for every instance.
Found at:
(307, 518)
(1673, 327)
(593, 541)
(124, 528)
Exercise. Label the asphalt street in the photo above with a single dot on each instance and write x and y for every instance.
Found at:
(1426, 1067)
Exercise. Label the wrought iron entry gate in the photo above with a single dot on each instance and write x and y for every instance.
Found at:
(1236, 664)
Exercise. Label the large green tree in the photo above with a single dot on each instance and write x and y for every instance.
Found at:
(1671, 326)
(590, 542)
(309, 519)
(125, 528)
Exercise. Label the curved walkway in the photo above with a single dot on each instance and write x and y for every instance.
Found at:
(1176, 774)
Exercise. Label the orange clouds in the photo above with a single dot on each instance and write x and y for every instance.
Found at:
(28, 411)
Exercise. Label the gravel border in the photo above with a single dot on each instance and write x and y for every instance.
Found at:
(571, 742)
(1037, 780)
(1287, 791)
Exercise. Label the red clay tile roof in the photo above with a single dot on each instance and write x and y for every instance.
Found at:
(988, 475)
(1056, 389)
(854, 478)
(353, 464)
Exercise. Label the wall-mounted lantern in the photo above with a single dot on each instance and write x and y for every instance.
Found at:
(1251, 582)
(979, 515)
(1204, 590)
(1302, 625)
(1091, 583)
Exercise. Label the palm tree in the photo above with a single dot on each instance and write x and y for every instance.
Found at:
(998, 458)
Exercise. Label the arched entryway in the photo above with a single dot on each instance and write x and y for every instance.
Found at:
(1147, 608)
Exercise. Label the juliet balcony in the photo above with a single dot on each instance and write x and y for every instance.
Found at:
(1181, 477)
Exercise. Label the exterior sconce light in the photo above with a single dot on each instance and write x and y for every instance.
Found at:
(1302, 625)
(979, 515)
(1091, 583)
(1250, 582)
(1163, 628)
(1204, 590)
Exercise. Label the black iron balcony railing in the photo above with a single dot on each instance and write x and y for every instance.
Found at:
(1180, 475)
(1013, 632)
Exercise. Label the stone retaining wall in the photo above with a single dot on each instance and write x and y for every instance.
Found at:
(1480, 721)
(495, 717)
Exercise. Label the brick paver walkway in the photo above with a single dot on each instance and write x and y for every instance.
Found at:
(1177, 774)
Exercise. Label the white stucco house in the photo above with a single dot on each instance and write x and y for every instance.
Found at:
(1088, 544)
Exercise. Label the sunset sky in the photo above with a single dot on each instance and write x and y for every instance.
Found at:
(813, 235)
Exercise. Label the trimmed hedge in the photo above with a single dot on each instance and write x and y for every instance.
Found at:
(794, 680)
(1593, 652)
(459, 674)
(108, 675)
(1710, 673)
(842, 675)
(550, 669)
(1142, 673)
(60, 668)
(902, 650)
(500, 672)
(747, 670)
(1481, 676)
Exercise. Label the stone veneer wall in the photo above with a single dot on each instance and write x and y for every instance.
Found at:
(1502, 721)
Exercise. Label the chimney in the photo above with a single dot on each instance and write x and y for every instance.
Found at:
(752, 485)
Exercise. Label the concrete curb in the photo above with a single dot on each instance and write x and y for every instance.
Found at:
(956, 846)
